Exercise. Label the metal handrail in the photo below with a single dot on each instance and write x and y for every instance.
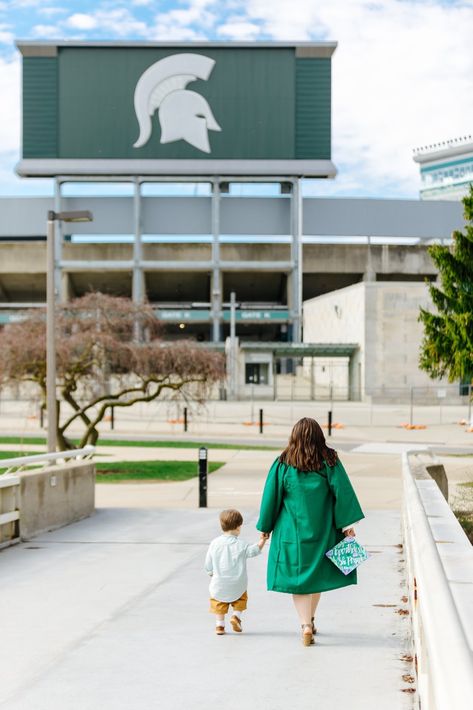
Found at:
(19, 462)
(450, 659)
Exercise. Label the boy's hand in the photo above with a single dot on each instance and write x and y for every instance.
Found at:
(350, 532)
(264, 537)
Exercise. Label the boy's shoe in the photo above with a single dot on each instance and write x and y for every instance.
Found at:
(220, 630)
(236, 624)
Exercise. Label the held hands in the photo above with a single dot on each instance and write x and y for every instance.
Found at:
(264, 537)
(350, 532)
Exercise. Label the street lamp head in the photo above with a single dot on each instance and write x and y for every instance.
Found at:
(72, 216)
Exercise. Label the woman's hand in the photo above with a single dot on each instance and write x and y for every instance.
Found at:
(350, 532)
(265, 536)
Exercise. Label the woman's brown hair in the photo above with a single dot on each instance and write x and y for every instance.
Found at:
(307, 449)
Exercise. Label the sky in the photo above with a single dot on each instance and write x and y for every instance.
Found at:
(402, 72)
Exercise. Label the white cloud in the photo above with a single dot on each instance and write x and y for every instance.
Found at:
(46, 32)
(402, 77)
(164, 32)
(81, 21)
(118, 22)
(191, 23)
(6, 36)
(10, 93)
(51, 11)
(17, 4)
(197, 13)
(238, 28)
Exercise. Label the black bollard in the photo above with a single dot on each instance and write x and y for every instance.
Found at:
(203, 477)
(185, 418)
(260, 421)
(330, 423)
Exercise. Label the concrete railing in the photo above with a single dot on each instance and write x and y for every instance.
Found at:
(47, 497)
(9, 510)
(439, 561)
(18, 463)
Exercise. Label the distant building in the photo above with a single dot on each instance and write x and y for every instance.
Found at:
(446, 169)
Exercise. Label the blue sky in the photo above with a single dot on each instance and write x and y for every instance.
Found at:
(402, 73)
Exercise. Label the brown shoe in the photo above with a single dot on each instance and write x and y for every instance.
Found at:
(314, 630)
(220, 630)
(236, 624)
(307, 636)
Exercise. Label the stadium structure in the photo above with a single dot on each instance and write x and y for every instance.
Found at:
(446, 169)
(160, 142)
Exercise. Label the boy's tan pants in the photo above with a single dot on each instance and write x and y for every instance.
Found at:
(221, 608)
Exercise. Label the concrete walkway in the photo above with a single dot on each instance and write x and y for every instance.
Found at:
(376, 477)
(111, 613)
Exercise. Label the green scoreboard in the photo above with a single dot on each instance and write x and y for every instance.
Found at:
(98, 108)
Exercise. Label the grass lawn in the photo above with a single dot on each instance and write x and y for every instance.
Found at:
(135, 470)
(170, 444)
(149, 470)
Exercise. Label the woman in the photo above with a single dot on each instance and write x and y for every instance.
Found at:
(308, 504)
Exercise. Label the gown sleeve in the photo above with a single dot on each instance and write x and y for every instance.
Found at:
(272, 498)
(347, 509)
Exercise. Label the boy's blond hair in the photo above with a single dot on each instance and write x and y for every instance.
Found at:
(230, 519)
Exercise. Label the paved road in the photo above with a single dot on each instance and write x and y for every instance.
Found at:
(231, 421)
(111, 613)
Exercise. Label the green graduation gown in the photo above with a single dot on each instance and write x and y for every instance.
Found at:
(306, 513)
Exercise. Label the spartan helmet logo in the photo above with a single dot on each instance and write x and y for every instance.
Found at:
(183, 115)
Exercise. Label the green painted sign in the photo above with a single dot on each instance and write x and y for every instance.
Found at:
(197, 102)
(182, 315)
(179, 315)
(11, 318)
(254, 316)
(204, 315)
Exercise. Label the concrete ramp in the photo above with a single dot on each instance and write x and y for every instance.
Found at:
(112, 612)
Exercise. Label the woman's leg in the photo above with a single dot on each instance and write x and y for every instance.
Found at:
(314, 603)
(303, 604)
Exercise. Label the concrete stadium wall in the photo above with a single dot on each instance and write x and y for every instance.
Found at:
(55, 496)
(382, 317)
(339, 317)
(326, 267)
(393, 337)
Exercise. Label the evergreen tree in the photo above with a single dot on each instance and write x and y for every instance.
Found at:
(447, 346)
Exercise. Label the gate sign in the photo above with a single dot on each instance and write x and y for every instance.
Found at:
(98, 108)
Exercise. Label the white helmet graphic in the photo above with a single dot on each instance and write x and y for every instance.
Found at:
(183, 115)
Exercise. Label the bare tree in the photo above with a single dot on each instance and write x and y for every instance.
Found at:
(109, 354)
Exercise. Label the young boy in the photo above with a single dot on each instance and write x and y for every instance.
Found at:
(226, 564)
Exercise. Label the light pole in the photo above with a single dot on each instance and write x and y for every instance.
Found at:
(53, 217)
(233, 347)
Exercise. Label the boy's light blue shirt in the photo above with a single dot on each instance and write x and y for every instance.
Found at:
(226, 563)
